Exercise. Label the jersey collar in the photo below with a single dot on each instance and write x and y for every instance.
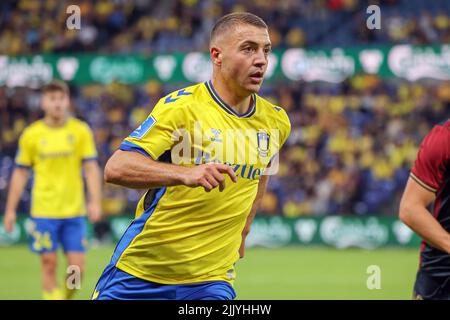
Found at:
(226, 107)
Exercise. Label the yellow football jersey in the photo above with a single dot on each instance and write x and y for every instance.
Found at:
(187, 235)
(55, 156)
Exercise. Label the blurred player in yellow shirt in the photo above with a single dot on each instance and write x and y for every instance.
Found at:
(56, 148)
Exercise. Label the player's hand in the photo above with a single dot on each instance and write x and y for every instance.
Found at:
(242, 249)
(209, 176)
(9, 221)
(94, 211)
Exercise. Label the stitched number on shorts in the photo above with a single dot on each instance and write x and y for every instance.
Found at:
(41, 240)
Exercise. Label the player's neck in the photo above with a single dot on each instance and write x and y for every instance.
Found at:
(239, 103)
(55, 122)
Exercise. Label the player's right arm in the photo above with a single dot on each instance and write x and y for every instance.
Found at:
(136, 164)
(18, 183)
(19, 178)
(133, 170)
(426, 178)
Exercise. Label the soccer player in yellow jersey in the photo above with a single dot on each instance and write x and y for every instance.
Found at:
(205, 154)
(56, 148)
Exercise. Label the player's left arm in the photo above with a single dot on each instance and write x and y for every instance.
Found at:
(94, 186)
(264, 181)
(92, 172)
(262, 187)
(426, 179)
(414, 213)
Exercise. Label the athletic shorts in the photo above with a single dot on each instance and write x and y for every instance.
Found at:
(115, 284)
(428, 287)
(45, 235)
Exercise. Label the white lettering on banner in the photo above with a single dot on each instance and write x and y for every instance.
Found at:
(413, 63)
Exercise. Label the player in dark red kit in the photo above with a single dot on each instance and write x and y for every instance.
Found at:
(430, 182)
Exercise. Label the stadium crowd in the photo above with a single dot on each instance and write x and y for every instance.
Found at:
(123, 26)
(352, 144)
(350, 150)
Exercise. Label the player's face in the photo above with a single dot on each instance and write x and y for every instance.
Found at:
(55, 104)
(245, 53)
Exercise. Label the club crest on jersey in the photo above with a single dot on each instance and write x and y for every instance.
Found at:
(142, 130)
(70, 139)
(263, 143)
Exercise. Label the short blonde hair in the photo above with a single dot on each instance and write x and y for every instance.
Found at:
(56, 85)
(234, 19)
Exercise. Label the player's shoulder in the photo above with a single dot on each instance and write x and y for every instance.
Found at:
(444, 126)
(440, 132)
(273, 111)
(34, 128)
(77, 125)
(182, 97)
(436, 144)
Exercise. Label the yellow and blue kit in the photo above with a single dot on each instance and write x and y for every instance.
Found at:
(180, 235)
(56, 154)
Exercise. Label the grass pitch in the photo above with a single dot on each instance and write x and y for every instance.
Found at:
(284, 273)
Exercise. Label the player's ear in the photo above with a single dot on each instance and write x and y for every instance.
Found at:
(216, 55)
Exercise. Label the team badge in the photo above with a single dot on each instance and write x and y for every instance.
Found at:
(70, 139)
(263, 143)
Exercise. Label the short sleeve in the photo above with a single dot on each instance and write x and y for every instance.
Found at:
(88, 150)
(25, 151)
(155, 135)
(430, 165)
(286, 130)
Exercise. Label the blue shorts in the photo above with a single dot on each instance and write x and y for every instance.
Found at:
(115, 284)
(46, 234)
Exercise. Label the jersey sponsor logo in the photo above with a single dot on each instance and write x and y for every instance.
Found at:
(55, 155)
(142, 130)
(253, 172)
(245, 171)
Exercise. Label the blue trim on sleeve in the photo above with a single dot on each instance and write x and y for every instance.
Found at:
(136, 227)
(130, 146)
(90, 159)
(18, 165)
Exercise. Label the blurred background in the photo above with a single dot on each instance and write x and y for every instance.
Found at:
(359, 100)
